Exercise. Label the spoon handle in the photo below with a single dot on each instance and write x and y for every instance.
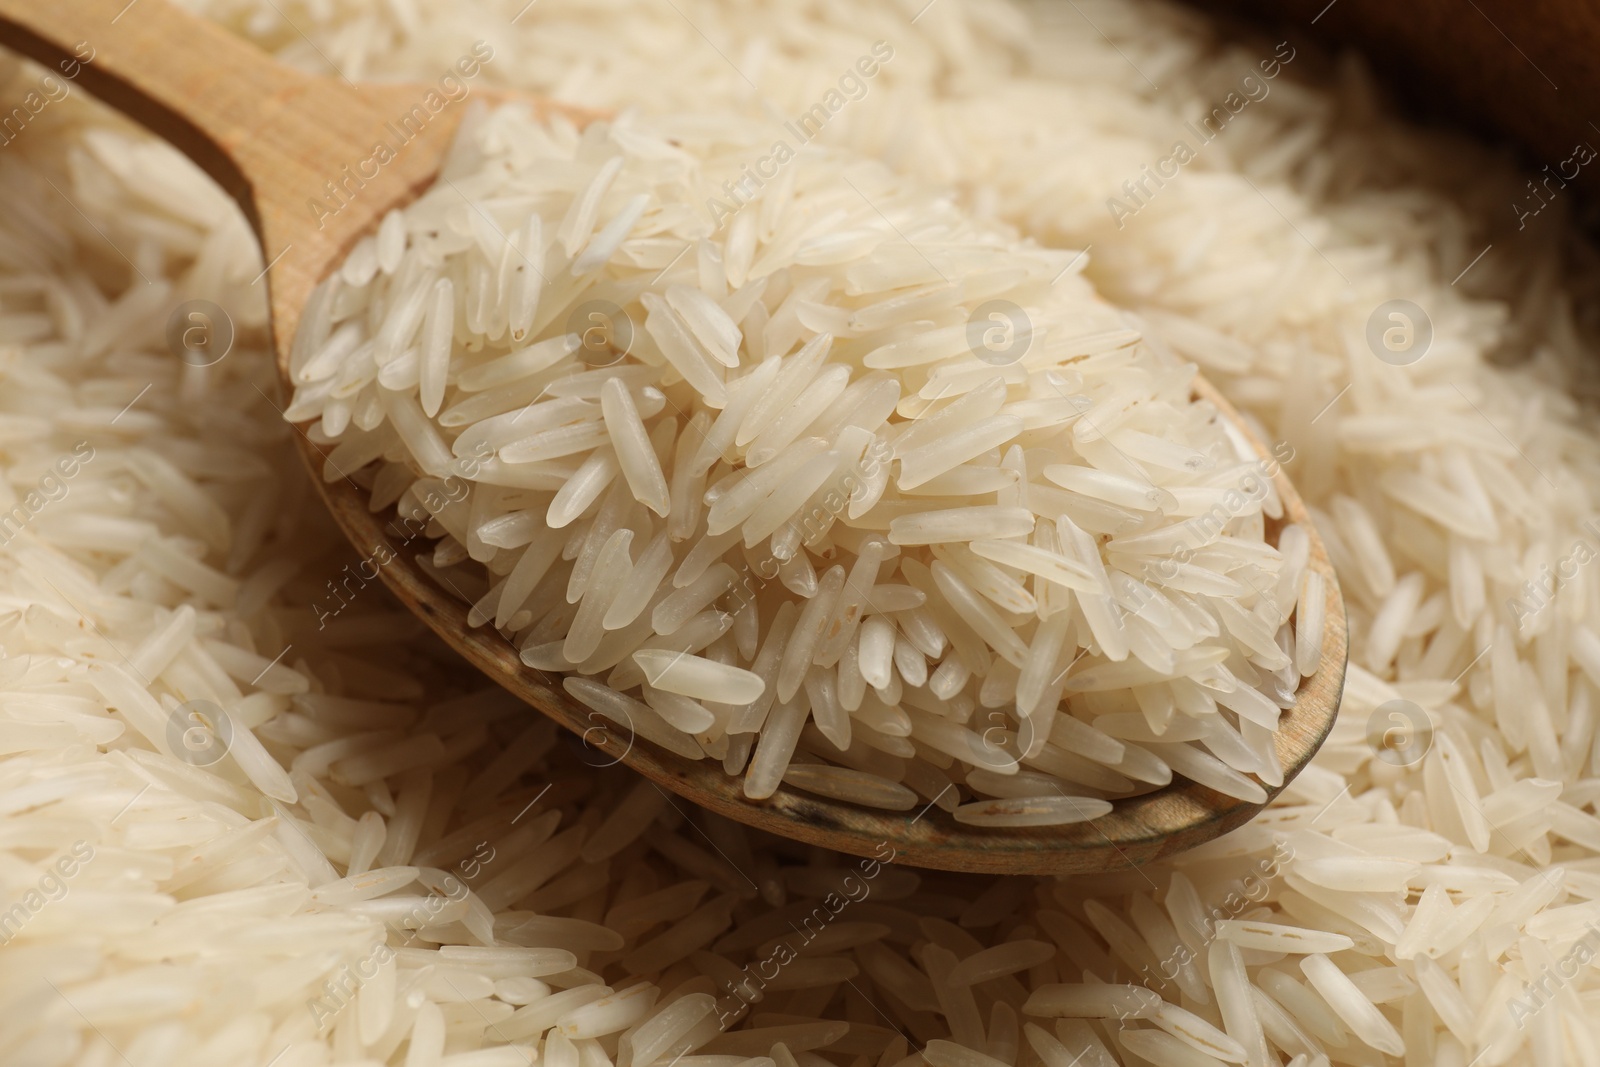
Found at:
(204, 90)
(295, 150)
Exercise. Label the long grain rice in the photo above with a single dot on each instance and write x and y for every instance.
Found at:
(226, 914)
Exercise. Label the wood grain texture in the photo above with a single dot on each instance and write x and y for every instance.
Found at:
(274, 138)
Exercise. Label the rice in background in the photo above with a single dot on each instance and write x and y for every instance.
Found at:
(1436, 895)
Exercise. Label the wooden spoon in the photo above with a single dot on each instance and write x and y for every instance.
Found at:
(274, 138)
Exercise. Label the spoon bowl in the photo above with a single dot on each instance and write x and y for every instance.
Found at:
(299, 154)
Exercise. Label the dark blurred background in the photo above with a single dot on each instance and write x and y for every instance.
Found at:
(1524, 72)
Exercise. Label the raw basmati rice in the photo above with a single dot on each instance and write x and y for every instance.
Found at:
(190, 917)
(782, 461)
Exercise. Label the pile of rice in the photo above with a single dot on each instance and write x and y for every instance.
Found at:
(382, 860)
(797, 502)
